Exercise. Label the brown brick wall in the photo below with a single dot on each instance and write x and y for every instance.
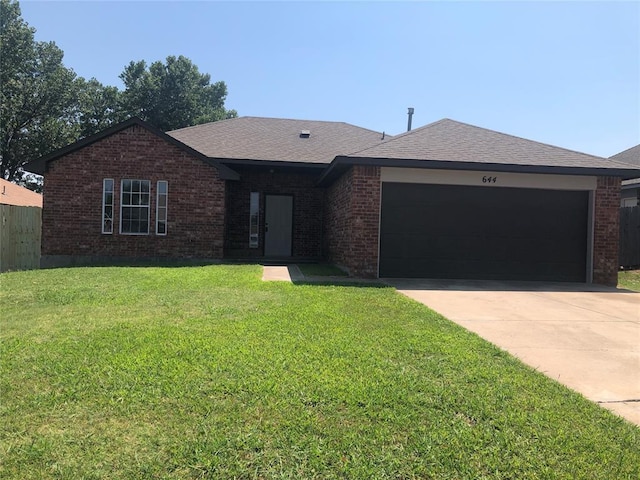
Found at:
(337, 220)
(352, 215)
(72, 213)
(345, 229)
(307, 211)
(352, 211)
(606, 231)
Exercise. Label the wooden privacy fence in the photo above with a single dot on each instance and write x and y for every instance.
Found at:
(630, 237)
(20, 234)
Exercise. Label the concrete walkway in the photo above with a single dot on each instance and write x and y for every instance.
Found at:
(292, 273)
(280, 273)
(586, 337)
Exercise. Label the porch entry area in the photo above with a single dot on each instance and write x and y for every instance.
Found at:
(278, 226)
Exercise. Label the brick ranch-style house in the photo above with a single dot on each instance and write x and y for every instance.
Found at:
(447, 200)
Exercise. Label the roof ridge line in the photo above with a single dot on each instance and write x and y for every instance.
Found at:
(400, 136)
(333, 122)
(626, 150)
(201, 124)
(310, 120)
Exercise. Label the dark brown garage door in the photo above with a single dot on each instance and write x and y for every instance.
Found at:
(444, 231)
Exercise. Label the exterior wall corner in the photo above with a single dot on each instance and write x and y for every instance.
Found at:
(352, 221)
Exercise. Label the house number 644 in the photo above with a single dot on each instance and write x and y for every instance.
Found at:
(487, 179)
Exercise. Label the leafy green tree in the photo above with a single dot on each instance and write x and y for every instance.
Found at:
(44, 105)
(37, 94)
(173, 95)
(31, 181)
(98, 107)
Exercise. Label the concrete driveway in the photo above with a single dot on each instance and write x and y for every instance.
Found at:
(584, 336)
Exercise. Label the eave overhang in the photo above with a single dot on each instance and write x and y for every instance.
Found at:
(248, 162)
(342, 163)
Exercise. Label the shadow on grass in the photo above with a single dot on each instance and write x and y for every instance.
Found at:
(340, 282)
(298, 277)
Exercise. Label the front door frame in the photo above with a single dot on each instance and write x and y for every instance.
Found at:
(288, 252)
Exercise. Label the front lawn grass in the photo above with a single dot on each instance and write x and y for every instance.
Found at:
(321, 270)
(208, 372)
(629, 279)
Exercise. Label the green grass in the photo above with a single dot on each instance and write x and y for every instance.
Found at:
(207, 372)
(629, 279)
(321, 270)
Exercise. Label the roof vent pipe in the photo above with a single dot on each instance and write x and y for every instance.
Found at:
(410, 113)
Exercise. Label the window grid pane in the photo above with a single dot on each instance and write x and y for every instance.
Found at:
(134, 207)
(254, 219)
(161, 207)
(107, 206)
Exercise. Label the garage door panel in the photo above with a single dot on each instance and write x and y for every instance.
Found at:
(503, 248)
(475, 249)
(443, 231)
(482, 270)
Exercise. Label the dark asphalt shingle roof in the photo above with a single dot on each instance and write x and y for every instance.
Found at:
(450, 141)
(444, 144)
(630, 156)
(276, 139)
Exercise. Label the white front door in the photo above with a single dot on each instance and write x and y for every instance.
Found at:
(278, 225)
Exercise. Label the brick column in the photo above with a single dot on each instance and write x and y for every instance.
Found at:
(365, 221)
(352, 215)
(606, 231)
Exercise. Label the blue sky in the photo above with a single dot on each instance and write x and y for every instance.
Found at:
(564, 73)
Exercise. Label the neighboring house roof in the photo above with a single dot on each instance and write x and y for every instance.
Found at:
(40, 165)
(12, 194)
(632, 157)
(277, 139)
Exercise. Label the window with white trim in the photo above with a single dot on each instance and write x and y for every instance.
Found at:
(134, 207)
(161, 208)
(107, 205)
(254, 217)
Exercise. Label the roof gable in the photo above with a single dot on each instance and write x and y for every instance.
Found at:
(39, 165)
(277, 139)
